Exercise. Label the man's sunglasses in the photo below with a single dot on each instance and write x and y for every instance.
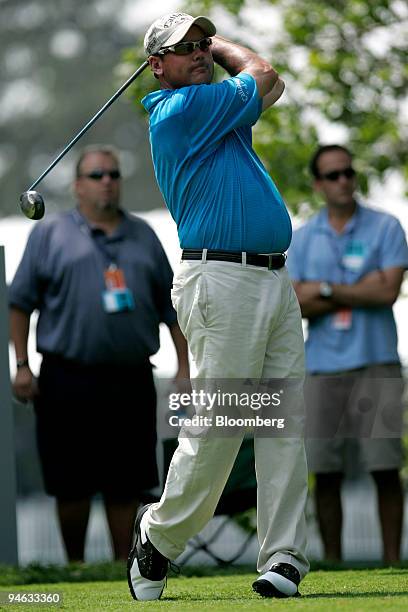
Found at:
(334, 175)
(97, 175)
(185, 48)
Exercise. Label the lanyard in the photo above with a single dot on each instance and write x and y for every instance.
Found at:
(337, 251)
(111, 259)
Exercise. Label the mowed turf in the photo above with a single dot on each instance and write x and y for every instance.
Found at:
(366, 590)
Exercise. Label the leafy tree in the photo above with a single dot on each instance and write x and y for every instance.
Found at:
(344, 63)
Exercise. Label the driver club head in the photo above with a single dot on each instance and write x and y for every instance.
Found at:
(32, 205)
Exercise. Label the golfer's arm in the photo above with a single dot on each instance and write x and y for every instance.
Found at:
(19, 330)
(274, 95)
(235, 59)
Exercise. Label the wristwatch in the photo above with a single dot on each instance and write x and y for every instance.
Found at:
(21, 363)
(325, 290)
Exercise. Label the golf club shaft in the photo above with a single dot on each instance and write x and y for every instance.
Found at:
(90, 124)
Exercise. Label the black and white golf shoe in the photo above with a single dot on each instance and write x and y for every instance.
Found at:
(281, 580)
(146, 567)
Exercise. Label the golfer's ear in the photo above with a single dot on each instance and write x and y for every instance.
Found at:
(156, 65)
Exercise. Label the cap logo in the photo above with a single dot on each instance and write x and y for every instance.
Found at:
(175, 18)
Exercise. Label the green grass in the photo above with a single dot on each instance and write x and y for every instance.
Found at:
(355, 590)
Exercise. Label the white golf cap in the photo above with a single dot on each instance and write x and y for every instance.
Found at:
(171, 29)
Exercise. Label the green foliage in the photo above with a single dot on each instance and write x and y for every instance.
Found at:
(203, 7)
(344, 63)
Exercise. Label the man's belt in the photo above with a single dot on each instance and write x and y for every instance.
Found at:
(272, 261)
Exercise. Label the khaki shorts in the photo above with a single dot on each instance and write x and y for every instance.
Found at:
(360, 408)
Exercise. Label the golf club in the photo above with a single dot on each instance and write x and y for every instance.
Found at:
(31, 202)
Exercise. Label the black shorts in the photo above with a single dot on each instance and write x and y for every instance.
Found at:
(96, 429)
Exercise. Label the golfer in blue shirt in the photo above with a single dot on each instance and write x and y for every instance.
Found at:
(234, 300)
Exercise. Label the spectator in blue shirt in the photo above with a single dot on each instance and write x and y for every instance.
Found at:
(101, 282)
(234, 300)
(347, 264)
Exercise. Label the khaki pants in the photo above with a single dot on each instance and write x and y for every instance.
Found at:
(239, 321)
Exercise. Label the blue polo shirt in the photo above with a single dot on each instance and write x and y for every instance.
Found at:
(61, 275)
(215, 186)
(371, 240)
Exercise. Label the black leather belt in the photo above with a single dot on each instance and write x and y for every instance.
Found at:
(272, 261)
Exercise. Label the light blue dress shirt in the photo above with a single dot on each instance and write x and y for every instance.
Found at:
(371, 240)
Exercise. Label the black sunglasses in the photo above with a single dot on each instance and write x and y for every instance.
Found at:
(97, 175)
(185, 48)
(334, 175)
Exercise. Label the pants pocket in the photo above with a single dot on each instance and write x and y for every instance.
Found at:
(190, 303)
(201, 300)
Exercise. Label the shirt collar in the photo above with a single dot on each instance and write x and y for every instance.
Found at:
(322, 221)
(118, 234)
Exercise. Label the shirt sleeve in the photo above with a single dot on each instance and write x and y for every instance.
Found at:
(394, 249)
(212, 111)
(25, 289)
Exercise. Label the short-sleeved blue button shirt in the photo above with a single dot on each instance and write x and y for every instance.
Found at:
(216, 188)
(371, 240)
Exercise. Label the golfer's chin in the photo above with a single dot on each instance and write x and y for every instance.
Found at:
(201, 76)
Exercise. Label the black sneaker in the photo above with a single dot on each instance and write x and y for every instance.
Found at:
(281, 580)
(146, 567)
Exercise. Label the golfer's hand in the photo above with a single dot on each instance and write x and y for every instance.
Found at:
(25, 385)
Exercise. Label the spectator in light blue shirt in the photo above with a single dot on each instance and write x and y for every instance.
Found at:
(347, 265)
